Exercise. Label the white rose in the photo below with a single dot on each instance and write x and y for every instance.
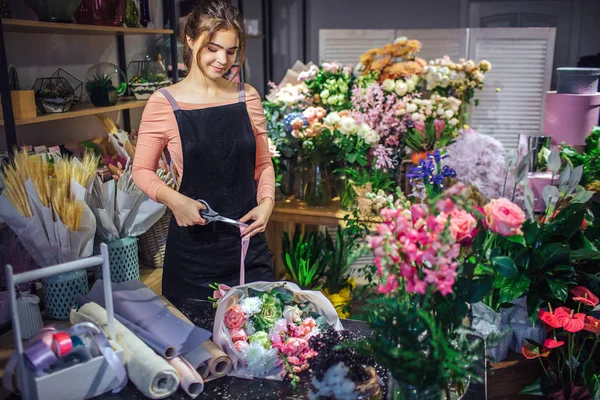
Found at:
(372, 138)
(388, 85)
(417, 117)
(401, 88)
(411, 108)
(478, 76)
(401, 40)
(453, 122)
(348, 126)
(292, 314)
(449, 114)
(332, 119)
(324, 94)
(363, 130)
(411, 86)
(440, 111)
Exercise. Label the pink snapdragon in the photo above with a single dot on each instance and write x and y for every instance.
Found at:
(418, 247)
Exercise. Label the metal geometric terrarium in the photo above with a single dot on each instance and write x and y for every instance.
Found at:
(58, 93)
(145, 77)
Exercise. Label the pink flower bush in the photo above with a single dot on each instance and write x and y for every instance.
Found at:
(414, 245)
(504, 217)
(235, 317)
(463, 225)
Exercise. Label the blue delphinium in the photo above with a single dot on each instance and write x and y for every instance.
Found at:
(431, 172)
(287, 121)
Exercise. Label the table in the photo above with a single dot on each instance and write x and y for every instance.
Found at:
(202, 313)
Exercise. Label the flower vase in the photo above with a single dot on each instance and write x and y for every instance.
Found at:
(287, 166)
(124, 260)
(30, 317)
(399, 391)
(317, 184)
(61, 290)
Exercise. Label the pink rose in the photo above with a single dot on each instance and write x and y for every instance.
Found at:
(237, 335)
(235, 317)
(320, 112)
(294, 346)
(297, 123)
(504, 217)
(463, 225)
(294, 360)
(241, 345)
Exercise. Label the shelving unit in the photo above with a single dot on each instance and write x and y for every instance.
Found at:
(37, 27)
(82, 110)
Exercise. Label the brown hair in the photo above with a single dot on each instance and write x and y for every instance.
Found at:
(209, 17)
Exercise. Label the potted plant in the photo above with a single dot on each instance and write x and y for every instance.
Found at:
(23, 101)
(104, 83)
(145, 77)
(305, 258)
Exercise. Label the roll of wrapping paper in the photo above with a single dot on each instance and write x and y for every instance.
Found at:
(217, 366)
(149, 372)
(189, 379)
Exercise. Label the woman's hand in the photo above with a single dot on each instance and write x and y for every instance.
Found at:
(185, 210)
(260, 215)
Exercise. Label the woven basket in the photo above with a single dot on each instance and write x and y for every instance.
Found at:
(152, 243)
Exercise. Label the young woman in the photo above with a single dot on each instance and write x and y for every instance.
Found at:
(215, 132)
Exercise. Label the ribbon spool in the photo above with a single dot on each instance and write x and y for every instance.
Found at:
(39, 357)
(87, 328)
(61, 343)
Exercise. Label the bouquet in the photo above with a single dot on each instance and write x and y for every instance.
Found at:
(265, 328)
(329, 84)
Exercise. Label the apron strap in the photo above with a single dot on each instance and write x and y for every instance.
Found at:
(169, 97)
(241, 92)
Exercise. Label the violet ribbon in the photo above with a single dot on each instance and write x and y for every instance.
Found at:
(85, 328)
(39, 357)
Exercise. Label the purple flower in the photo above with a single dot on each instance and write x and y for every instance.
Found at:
(382, 157)
(431, 172)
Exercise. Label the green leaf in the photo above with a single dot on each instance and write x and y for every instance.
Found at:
(575, 178)
(479, 289)
(522, 169)
(554, 161)
(584, 254)
(559, 289)
(513, 288)
(505, 266)
(517, 239)
(582, 196)
(550, 195)
(533, 304)
(535, 389)
(554, 253)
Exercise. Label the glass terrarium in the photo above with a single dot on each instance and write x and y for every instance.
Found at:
(146, 76)
(104, 83)
(57, 93)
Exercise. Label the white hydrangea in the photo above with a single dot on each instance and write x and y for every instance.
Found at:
(260, 361)
(292, 313)
(249, 327)
(251, 305)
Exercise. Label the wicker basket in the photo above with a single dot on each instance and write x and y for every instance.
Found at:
(152, 243)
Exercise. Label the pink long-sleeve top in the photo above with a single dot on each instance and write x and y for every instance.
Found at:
(158, 129)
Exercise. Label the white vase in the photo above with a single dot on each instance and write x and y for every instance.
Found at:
(30, 317)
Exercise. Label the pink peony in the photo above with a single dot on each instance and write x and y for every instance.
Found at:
(237, 335)
(241, 345)
(294, 347)
(504, 217)
(235, 317)
(463, 225)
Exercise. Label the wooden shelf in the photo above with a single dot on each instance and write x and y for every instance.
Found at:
(28, 26)
(81, 110)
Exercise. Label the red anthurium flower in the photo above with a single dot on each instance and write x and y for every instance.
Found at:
(592, 325)
(552, 343)
(549, 318)
(569, 320)
(531, 351)
(583, 295)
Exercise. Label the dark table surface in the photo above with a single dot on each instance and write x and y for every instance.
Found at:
(202, 314)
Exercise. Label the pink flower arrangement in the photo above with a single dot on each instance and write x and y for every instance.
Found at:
(504, 217)
(414, 245)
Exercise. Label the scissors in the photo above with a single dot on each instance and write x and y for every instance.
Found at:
(211, 215)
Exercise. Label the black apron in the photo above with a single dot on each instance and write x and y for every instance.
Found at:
(219, 158)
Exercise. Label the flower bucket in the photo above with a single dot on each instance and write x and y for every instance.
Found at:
(61, 290)
(317, 183)
(124, 260)
(494, 327)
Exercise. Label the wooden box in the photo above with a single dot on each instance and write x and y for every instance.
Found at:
(23, 104)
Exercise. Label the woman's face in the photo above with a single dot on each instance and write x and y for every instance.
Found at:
(219, 55)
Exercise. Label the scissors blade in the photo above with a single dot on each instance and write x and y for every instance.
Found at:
(230, 221)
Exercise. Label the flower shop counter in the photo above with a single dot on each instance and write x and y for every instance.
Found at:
(201, 313)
